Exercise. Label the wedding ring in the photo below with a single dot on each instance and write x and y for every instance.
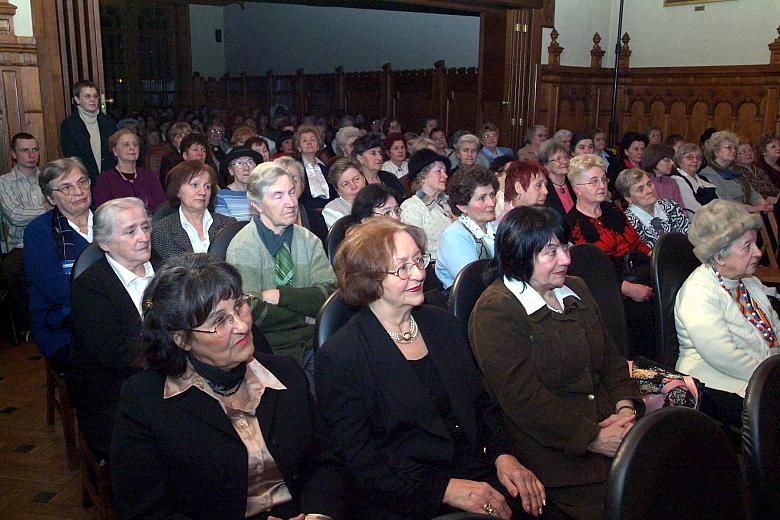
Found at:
(488, 508)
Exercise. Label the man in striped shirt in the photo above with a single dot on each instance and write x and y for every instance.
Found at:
(21, 200)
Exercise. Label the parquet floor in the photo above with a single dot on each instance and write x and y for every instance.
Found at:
(35, 482)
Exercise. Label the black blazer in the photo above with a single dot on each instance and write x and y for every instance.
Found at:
(181, 457)
(553, 201)
(74, 142)
(170, 239)
(106, 327)
(310, 202)
(382, 421)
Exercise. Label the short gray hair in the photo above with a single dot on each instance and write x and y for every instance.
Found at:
(549, 148)
(105, 216)
(286, 162)
(262, 177)
(561, 133)
(56, 169)
(684, 150)
(626, 180)
(467, 138)
(531, 132)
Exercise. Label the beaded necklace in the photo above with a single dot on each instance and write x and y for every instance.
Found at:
(752, 312)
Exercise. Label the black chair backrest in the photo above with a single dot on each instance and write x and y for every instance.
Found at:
(463, 516)
(91, 254)
(673, 262)
(675, 463)
(336, 235)
(594, 266)
(465, 291)
(162, 211)
(333, 315)
(218, 246)
(761, 438)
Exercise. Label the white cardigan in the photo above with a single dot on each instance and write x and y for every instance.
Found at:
(717, 343)
(431, 219)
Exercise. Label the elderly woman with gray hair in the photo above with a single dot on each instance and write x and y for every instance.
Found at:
(650, 216)
(725, 323)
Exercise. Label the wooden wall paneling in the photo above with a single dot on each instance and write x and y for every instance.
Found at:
(678, 120)
(747, 121)
(492, 65)
(416, 96)
(363, 90)
(462, 103)
(700, 121)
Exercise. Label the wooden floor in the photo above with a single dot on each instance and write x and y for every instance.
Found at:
(35, 482)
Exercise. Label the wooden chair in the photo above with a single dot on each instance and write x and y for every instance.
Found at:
(95, 483)
(769, 273)
(57, 400)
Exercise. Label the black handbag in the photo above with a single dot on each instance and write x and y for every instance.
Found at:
(637, 268)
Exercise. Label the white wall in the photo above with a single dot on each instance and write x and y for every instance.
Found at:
(285, 37)
(23, 18)
(208, 56)
(726, 33)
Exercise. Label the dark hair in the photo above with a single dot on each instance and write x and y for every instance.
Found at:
(386, 124)
(522, 235)
(580, 136)
(182, 295)
(630, 137)
(256, 140)
(523, 172)
(20, 135)
(391, 139)
(426, 119)
(183, 173)
(370, 198)
(654, 154)
(363, 258)
(501, 161)
(191, 139)
(365, 143)
(77, 87)
(673, 139)
(465, 182)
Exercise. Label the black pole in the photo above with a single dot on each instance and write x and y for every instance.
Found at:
(613, 124)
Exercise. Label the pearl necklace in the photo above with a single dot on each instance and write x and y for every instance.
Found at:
(755, 316)
(128, 176)
(406, 337)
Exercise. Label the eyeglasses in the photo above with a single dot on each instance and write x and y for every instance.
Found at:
(594, 182)
(563, 159)
(71, 189)
(224, 324)
(728, 147)
(248, 163)
(405, 270)
(387, 213)
(692, 157)
(489, 135)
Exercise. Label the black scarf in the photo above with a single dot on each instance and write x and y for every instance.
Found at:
(223, 382)
(612, 219)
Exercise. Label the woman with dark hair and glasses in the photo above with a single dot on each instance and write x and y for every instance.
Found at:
(375, 200)
(367, 152)
(214, 429)
(402, 399)
(544, 352)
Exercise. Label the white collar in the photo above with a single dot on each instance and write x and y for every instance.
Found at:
(531, 300)
(644, 217)
(88, 236)
(125, 275)
(207, 220)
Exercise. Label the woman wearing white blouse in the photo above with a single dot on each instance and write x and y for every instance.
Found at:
(396, 151)
(317, 193)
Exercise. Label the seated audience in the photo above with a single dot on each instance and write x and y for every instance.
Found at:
(757, 178)
(439, 138)
(231, 201)
(106, 317)
(726, 325)
(375, 200)
(695, 191)
(632, 149)
(650, 215)
(126, 179)
(726, 174)
(596, 221)
(259, 145)
(314, 222)
(346, 177)
(284, 264)
(21, 201)
(489, 141)
(555, 158)
(655, 135)
(526, 185)
(429, 123)
(427, 207)
(534, 136)
(498, 167)
(284, 145)
(367, 152)
(658, 162)
(600, 148)
(564, 137)
(396, 157)
(218, 145)
(402, 400)
(344, 141)
(192, 227)
(467, 152)
(472, 198)
(253, 443)
(52, 243)
(176, 133)
(241, 135)
(391, 125)
(581, 143)
(769, 156)
(544, 352)
(316, 190)
(675, 141)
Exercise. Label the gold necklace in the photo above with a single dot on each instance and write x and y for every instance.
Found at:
(406, 337)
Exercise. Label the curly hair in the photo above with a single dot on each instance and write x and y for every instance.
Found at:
(465, 182)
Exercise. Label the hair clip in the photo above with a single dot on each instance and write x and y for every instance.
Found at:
(148, 304)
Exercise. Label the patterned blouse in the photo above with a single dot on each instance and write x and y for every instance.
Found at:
(667, 217)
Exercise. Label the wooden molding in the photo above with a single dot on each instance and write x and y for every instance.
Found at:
(7, 12)
(20, 54)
